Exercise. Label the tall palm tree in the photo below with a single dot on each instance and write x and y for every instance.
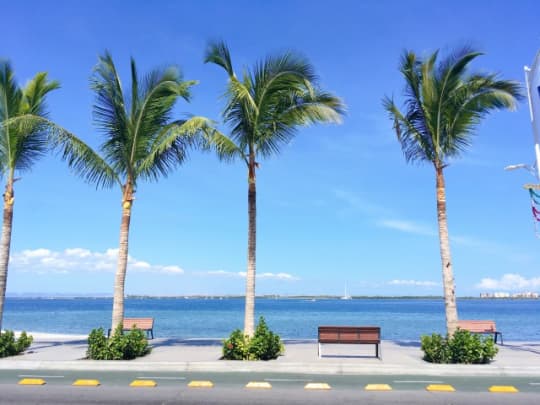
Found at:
(264, 110)
(26, 134)
(142, 142)
(443, 106)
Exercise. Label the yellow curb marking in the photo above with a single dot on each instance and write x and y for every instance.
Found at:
(86, 383)
(317, 386)
(143, 383)
(32, 381)
(440, 388)
(257, 384)
(378, 387)
(201, 384)
(503, 388)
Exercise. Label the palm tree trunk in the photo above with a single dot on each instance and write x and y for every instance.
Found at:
(447, 273)
(5, 244)
(249, 315)
(119, 281)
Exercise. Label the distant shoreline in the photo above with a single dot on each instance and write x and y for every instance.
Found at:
(280, 297)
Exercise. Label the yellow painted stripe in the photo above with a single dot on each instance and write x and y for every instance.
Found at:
(503, 388)
(257, 384)
(32, 381)
(86, 383)
(440, 388)
(143, 383)
(317, 386)
(201, 384)
(378, 387)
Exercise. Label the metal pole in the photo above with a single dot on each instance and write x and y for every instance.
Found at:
(533, 84)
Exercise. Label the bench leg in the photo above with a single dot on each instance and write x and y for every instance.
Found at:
(498, 334)
(377, 350)
(108, 333)
(319, 351)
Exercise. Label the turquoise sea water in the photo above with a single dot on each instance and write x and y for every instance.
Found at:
(400, 319)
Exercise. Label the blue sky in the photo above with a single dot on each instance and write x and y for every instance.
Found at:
(339, 207)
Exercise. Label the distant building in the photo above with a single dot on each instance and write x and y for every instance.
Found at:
(527, 294)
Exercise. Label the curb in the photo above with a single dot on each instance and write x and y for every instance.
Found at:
(275, 367)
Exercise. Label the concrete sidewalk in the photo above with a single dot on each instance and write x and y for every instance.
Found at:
(49, 352)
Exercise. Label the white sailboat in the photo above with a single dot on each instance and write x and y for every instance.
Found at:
(346, 296)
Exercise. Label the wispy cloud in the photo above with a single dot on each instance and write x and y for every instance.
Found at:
(407, 226)
(356, 202)
(242, 274)
(415, 283)
(509, 281)
(79, 259)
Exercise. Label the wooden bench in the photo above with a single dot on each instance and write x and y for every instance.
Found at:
(145, 324)
(481, 327)
(350, 335)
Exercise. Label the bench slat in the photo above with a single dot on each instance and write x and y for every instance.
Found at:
(480, 326)
(140, 323)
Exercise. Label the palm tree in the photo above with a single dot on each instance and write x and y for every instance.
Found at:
(264, 110)
(443, 106)
(142, 142)
(25, 135)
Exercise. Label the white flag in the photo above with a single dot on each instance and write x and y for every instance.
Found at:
(532, 79)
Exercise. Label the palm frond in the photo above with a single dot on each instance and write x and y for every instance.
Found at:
(170, 148)
(79, 156)
(158, 97)
(217, 52)
(415, 143)
(110, 115)
(225, 148)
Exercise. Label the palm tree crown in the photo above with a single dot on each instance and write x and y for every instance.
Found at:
(141, 138)
(444, 104)
(267, 105)
(23, 135)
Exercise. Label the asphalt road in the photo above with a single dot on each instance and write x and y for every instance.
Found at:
(62, 394)
(229, 388)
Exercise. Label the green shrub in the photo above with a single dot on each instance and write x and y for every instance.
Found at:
(119, 346)
(264, 345)
(435, 348)
(9, 346)
(236, 347)
(462, 347)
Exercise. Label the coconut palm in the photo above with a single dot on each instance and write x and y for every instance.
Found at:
(264, 110)
(443, 106)
(25, 135)
(142, 142)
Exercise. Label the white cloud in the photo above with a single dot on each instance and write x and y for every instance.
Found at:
(79, 259)
(242, 274)
(509, 281)
(407, 227)
(416, 283)
(278, 276)
(37, 253)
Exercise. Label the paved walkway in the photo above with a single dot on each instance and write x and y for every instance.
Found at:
(50, 352)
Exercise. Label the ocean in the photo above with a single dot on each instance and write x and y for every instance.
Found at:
(182, 318)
